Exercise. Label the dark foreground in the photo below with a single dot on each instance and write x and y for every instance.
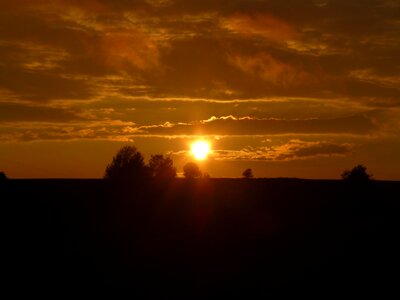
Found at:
(202, 237)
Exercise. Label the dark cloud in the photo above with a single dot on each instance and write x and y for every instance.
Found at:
(204, 49)
(28, 131)
(11, 112)
(302, 150)
(43, 86)
(80, 126)
(291, 150)
(150, 112)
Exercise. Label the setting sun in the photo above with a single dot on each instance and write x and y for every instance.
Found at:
(200, 149)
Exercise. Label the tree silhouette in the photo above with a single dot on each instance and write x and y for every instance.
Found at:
(248, 173)
(357, 174)
(128, 164)
(191, 170)
(162, 167)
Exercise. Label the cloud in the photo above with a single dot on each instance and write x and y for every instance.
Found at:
(43, 86)
(29, 126)
(12, 112)
(107, 58)
(32, 71)
(230, 125)
(110, 130)
(68, 46)
(292, 150)
(144, 111)
(269, 69)
(370, 76)
(193, 49)
(263, 25)
(298, 149)
(129, 47)
(316, 47)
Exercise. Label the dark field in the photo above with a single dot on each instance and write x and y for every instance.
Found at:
(201, 237)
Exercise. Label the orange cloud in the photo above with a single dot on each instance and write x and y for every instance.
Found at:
(263, 25)
(38, 5)
(266, 67)
(129, 47)
(370, 76)
(37, 123)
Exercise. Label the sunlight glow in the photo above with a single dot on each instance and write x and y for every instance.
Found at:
(200, 149)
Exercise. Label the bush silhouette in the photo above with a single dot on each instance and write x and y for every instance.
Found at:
(357, 174)
(3, 176)
(248, 173)
(128, 164)
(162, 167)
(191, 170)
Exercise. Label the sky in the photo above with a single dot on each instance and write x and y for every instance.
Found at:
(288, 88)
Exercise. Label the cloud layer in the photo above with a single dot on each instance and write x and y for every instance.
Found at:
(292, 150)
(325, 73)
(201, 49)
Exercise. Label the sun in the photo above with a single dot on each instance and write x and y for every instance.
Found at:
(200, 149)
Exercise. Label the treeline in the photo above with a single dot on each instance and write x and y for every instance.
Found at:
(129, 164)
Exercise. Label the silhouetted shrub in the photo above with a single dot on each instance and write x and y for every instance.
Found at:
(128, 164)
(3, 176)
(162, 167)
(248, 173)
(206, 175)
(357, 174)
(191, 170)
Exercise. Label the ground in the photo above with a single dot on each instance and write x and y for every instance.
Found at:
(233, 236)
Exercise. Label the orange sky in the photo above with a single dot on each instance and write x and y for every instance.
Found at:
(288, 88)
